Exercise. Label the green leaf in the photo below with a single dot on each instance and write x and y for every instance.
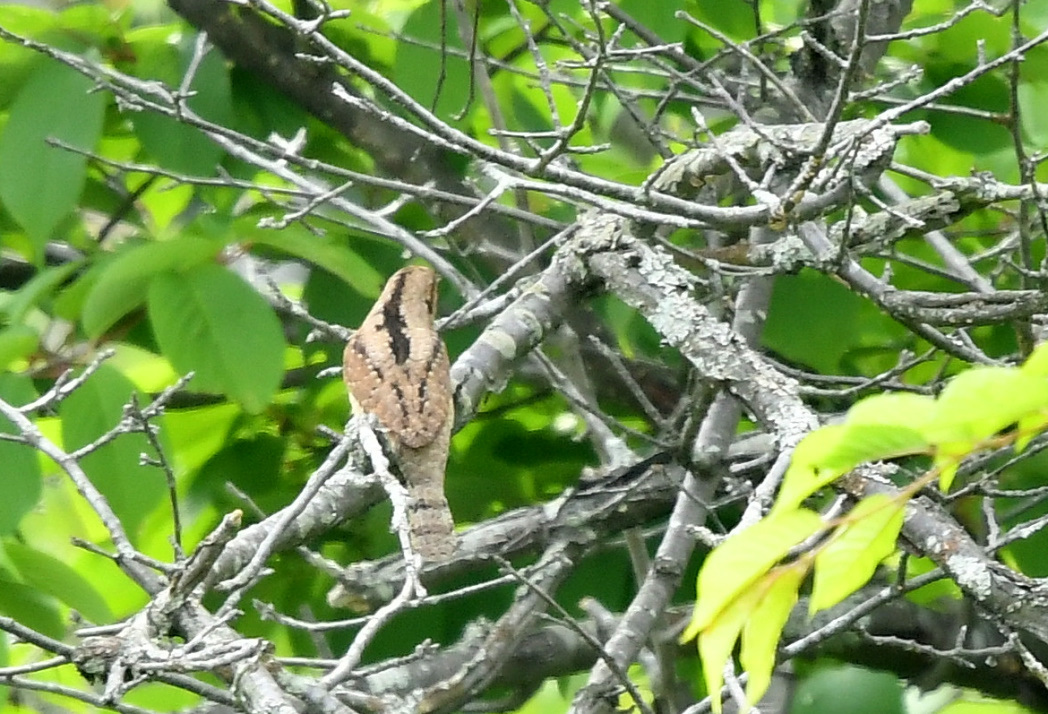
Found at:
(40, 184)
(123, 284)
(90, 411)
(39, 287)
(862, 443)
(732, 20)
(211, 322)
(978, 403)
(325, 252)
(836, 323)
(17, 342)
(659, 17)
(938, 591)
(855, 549)
(418, 65)
(17, 62)
(737, 563)
(975, 405)
(761, 633)
(253, 465)
(176, 145)
(196, 435)
(759, 613)
(51, 576)
(1036, 365)
(854, 690)
(20, 476)
(30, 607)
(164, 203)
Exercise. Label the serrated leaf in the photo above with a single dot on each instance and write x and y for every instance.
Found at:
(734, 565)
(978, 403)
(51, 576)
(39, 183)
(123, 283)
(760, 635)
(855, 549)
(20, 474)
(211, 322)
(90, 411)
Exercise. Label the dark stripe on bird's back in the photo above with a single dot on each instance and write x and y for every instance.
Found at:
(401, 402)
(393, 322)
(423, 386)
(431, 301)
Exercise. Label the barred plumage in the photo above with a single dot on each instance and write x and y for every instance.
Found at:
(396, 367)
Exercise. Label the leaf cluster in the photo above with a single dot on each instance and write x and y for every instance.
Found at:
(748, 584)
(674, 236)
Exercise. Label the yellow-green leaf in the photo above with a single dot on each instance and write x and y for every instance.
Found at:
(847, 562)
(832, 451)
(1036, 364)
(896, 409)
(1029, 427)
(980, 402)
(862, 443)
(733, 566)
(809, 470)
(947, 458)
(717, 642)
(761, 633)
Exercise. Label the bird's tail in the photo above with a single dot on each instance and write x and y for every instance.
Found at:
(430, 525)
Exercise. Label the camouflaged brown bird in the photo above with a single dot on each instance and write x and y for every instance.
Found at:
(396, 367)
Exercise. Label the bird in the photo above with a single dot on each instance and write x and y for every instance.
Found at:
(396, 368)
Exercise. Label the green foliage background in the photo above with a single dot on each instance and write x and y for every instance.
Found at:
(128, 224)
